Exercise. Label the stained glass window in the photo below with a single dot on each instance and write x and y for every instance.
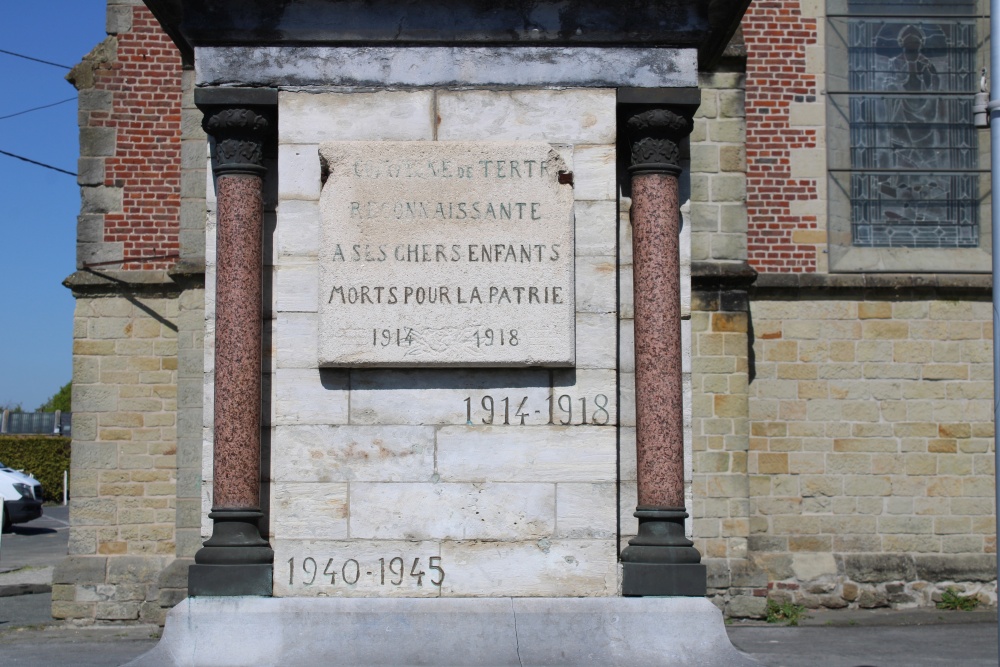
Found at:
(912, 170)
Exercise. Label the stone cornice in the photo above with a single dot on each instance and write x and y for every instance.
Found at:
(93, 282)
(922, 285)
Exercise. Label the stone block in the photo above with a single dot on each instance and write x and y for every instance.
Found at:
(97, 141)
(134, 569)
(298, 230)
(296, 340)
(100, 199)
(72, 610)
(574, 116)
(118, 611)
(596, 228)
(296, 288)
(300, 172)
(80, 570)
(956, 567)
(595, 340)
(311, 118)
(810, 566)
(325, 453)
(90, 171)
(352, 568)
(537, 454)
(439, 396)
(586, 511)
(879, 568)
(310, 396)
(746, 606)
(309, 511)
(595, 175)
(574, 568)
(415, 511)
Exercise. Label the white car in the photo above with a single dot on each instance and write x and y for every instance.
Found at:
(22, 497)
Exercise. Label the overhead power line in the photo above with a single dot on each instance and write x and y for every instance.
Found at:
(44, 106)
(37, 60)
(40, 164)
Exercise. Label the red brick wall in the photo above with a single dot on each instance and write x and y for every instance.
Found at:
(776, 35)
(146, 81)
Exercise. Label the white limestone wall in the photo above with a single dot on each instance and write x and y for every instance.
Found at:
(379, 470)
(376, 471)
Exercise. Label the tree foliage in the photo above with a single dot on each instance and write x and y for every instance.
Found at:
(61, 400)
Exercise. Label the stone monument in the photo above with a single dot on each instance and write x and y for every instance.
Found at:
(419, 387)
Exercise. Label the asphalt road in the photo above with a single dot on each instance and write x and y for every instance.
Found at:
(38, 543)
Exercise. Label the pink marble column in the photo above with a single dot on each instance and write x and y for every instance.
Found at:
(236, 560)
(660, 560)
(659, 398)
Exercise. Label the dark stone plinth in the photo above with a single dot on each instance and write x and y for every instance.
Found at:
(664, 580)
(236, 560)
(230, 580)
(661, 560)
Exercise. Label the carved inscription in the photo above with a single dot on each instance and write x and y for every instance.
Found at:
(395, 571)
(563, 410)
(444, 253)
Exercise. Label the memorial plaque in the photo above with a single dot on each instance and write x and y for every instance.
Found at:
(446, 254)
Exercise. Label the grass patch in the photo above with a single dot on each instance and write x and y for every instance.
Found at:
(953, 600)
(788, 613)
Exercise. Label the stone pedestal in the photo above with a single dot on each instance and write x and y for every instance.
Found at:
(660, 560)
(458, 631)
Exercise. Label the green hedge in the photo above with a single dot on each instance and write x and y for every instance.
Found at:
(44, 456)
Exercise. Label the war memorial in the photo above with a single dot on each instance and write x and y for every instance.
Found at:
(436, 476)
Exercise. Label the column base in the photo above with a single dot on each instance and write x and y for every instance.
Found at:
(230, 580)
(236, 560)
(664, 579)
(661, 560)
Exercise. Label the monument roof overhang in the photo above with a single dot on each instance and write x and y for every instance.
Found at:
(705, 25)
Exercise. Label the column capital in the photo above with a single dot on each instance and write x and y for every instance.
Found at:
(239, 133)
(655, 136)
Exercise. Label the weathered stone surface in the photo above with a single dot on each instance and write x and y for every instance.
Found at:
(311, 118)
(310, 396)
(878, 568)
(586, 511)
(542, 454)
(326, 453)
(443, 66)
(309, 511)
(350, 568)
(809, 566)
(445, 254)
(471, 115)
(558, 632)
(565, 568)
(746, 606)
(439, 396)
(419, 511)
(958, 567)
(81, 570)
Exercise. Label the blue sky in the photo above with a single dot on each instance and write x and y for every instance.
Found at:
(37, 243)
